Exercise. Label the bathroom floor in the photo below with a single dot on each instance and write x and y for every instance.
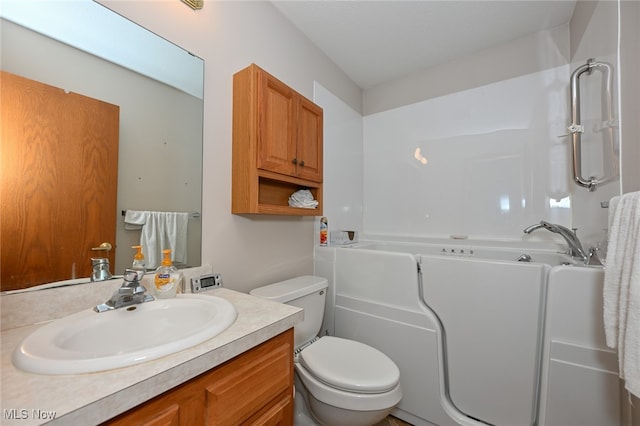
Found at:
(392, 421)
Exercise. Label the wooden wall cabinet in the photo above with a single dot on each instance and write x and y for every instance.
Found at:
(255, 388)
(277, 145)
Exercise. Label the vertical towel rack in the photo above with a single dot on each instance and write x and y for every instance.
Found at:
(608, 123)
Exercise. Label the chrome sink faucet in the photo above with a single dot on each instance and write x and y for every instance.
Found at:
(575, 246)
(100, 270)
(131, 292)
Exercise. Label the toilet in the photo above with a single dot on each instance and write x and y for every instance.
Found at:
(342, 382)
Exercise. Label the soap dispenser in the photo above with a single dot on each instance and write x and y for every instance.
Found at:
(139, 264)
(167, 277)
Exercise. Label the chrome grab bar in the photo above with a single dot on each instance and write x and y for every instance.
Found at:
(576, 128)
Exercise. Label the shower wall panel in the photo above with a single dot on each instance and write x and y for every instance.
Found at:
(484, 162)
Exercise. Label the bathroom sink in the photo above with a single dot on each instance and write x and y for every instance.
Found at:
(88, 342)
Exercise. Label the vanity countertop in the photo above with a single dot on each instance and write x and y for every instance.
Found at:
(32, 399)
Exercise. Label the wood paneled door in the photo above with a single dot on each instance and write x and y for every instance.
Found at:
(59, 158)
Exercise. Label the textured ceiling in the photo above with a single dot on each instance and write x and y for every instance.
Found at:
(378, 41)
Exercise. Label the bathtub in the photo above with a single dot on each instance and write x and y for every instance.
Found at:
(479, 336)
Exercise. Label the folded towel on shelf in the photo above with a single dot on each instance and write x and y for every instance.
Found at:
(303, 198)
(160, 230)
(622, 287)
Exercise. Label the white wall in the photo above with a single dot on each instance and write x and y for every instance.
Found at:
(630, 96)
(526, 55)
(344, 174)
(248, 250)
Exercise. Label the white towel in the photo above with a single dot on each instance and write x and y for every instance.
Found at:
(134, 219)
(622, 287)
(303, 198)
(160, 230)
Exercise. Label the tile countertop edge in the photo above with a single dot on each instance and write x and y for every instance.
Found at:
(258, 321)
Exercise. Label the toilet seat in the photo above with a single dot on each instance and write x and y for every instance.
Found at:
(348, 365)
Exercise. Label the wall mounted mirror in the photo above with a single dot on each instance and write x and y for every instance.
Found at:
(158, 88)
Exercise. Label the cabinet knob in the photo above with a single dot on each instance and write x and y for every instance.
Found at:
(294, 161)
(302, 163)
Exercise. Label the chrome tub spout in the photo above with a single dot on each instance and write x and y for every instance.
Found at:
(575, 246)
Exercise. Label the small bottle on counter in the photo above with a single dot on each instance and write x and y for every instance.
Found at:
(167, 277)
(139, 264)
(324, 231)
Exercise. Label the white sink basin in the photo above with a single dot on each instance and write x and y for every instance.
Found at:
(87, 341)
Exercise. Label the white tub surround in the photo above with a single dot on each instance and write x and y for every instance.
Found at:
(32, 399)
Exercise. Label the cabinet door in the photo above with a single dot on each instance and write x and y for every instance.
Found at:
(276, 126)
(247, 386)
(255, 388)
(279, 414)
(170, 416)
(309, 141)
(179, 407)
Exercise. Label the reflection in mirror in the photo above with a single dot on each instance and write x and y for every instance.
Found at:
(159, 137)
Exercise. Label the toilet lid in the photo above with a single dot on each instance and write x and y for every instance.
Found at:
(349, 365)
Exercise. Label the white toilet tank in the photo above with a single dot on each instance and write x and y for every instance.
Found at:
(307, 292)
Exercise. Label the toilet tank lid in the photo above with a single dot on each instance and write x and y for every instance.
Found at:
(294, 288)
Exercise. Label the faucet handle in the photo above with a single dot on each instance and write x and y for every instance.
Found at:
(132, 285)
(130, 275)
(594, 257)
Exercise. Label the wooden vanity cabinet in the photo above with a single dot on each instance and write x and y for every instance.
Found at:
(277, 145)
(254, 388)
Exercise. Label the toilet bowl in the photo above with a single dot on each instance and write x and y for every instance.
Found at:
(347, 383)
(343, 382)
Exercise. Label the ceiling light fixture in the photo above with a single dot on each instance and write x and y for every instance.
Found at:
(194, 4)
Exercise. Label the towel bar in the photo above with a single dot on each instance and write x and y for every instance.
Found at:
(194, 215)
(576, 128)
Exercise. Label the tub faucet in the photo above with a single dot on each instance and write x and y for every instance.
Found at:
(131, 292)
(575, 246)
